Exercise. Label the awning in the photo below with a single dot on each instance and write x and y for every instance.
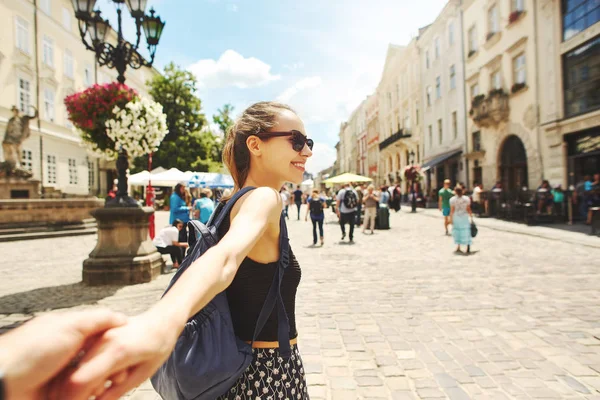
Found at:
(440, 159)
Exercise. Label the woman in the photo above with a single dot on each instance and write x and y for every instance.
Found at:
(167, 242)
(179, 210)
(316, 204)
(384, 197)
(370, 201)
(266, 147)
(460, 211)
(204, 206)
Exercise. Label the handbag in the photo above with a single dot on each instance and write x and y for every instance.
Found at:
(208, 358)
(473, 228)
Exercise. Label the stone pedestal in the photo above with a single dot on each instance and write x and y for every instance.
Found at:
(19, 188)
(124, 254)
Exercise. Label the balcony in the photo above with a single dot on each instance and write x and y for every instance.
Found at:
(490, 111)
(401, 134)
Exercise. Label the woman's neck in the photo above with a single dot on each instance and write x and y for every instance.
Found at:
(263, 180)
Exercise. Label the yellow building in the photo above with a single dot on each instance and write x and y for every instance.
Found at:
(42, 60)
(502, 93)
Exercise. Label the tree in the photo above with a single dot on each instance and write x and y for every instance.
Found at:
(224, 120)
(187, 146)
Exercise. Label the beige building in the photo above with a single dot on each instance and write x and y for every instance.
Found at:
(443, 98)
(502, 93)
(357, 135)
(569, 45)
(42, 60)
(399, 98)
(372, 137)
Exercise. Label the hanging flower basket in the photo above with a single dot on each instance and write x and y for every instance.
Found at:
(413, 173)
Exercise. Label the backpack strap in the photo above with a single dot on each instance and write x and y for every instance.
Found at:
(274, 296)
(223, 209)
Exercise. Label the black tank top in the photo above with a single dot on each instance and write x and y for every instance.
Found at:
(248, 292)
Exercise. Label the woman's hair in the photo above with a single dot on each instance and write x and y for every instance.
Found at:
(370, 187)
(177, 191)
(315, 192)
(458, 190)
(257, 118)
(177, 222)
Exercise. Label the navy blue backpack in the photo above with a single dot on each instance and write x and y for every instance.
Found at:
(208, 358)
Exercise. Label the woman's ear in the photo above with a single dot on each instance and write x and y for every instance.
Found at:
(254, 145)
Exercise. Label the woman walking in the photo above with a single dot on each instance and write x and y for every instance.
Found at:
(316, 204)
(460, 211)
(266, 147)
(370, 201)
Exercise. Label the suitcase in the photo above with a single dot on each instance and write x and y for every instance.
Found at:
(383, 218)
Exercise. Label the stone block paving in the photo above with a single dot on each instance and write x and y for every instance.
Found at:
(396, 315)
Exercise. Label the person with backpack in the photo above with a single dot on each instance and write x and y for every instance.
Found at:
(298, 200)
(316, 204)
(250, 272)
(347, 203)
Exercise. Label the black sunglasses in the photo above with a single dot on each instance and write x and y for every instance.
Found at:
(298, 139)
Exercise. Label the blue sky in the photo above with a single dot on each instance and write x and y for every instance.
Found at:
(322, 57)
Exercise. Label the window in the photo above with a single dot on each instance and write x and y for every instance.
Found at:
(24, 95)
(438, 87)
(493, 24)
(428, 95)
(474, 90)
(72, 171)
(476, 141)
(582, 77)
(48, 51)
(68, 64)
(452, 77)
(437, 48)
(472, 40)
(49, 104)
(519, 69)
(50, 169)
(451, 34)
(430, 136)
(517, 5)
(91, 174)
(427, 59)
(440, 131)
(22, 34)
(578, 15)
(416, 113)
(454, 125)
(496, 80)
(66, 18)
(46, 6)
(87, 75)
(27, 160)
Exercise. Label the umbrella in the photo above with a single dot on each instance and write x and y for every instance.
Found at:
(221, 181)
(139, 179)
(347, 177)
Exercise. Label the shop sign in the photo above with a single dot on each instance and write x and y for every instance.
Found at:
(587, 144)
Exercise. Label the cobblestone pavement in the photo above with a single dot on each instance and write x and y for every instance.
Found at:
(396, 315)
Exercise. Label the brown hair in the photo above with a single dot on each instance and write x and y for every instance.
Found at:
(257, 118)
(458, 190)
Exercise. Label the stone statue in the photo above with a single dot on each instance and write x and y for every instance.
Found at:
(17, 131)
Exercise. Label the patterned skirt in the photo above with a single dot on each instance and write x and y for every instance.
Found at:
(271, 377)
(461, 229)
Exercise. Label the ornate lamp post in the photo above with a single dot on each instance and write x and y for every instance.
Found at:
(413, 190)
(93, 29)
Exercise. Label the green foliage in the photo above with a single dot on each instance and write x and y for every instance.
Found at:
(223, 118)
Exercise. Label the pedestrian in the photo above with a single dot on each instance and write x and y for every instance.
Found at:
(545, 198)
(444, 196)
(265, 147)
(460, 211)
(316, 204)
(204, 206)
(593, 197)
(347, 202)
(370, 200)
(359, 192)
(167, 242)
(285, 198)
(384, 197)
(179, 210)
(396, 197)
(298, 200)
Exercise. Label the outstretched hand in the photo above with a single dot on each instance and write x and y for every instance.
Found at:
(35, 353)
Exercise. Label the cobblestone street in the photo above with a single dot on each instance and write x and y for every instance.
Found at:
(397, 315)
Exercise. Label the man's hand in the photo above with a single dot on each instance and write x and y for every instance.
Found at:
(33, 354)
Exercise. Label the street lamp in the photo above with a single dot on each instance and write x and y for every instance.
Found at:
(413, 190)
(93, 29)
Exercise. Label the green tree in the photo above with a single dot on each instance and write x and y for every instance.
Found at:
(187, 146)
(224, 120)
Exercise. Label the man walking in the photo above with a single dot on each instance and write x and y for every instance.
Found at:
(347, 203)
(444, 196)
(298, 200)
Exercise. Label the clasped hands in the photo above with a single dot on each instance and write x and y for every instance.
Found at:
(81, 355)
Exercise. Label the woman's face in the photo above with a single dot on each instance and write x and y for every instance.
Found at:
(278, 157)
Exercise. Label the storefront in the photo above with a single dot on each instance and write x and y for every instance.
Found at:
(583, 152)
(441, 167)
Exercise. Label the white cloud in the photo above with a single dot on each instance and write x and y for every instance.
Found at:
(294, 66)
(232, 7)
(306, 83)
(232, 69)
(323, 157)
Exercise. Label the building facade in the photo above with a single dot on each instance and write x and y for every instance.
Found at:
(443, 98)
(502, 86)
(42, 60)
(372, 137)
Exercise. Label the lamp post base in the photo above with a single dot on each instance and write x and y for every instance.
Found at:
(124, 254)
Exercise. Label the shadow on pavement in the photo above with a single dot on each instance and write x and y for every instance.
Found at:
(54, 297)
